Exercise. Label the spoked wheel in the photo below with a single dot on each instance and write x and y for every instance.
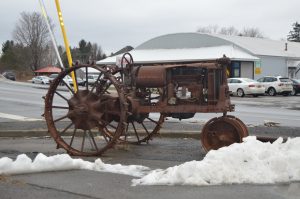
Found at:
(142, 126)
(222, 131)
(78, 119)
(143, 129)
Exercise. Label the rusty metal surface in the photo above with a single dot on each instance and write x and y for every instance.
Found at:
(117, 107)
(85, 113)
(222, 131)
(151, 77)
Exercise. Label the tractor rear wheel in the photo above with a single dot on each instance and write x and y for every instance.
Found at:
(78, 118)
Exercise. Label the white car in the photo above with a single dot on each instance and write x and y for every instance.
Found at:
(92, 79)
(40, 80)
(245, 86)
(67, 79)
(277, 85)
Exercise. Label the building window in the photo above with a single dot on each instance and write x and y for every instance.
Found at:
(235, 69)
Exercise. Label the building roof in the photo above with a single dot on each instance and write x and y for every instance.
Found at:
(263, 46)
(49, 69)
(142, 56)
(198, 46)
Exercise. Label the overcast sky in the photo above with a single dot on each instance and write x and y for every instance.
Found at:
(114, 24)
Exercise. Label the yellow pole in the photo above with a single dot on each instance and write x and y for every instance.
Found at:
(69, 56)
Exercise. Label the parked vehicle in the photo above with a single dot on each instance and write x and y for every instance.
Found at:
(9, 75)
(68, 79)
(245, 86)
(40, 80)
(92, 79)
(296, 86)
(277, 85)
(52, 77)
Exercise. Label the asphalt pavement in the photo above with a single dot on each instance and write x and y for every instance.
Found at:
(159, 153)
(178, 142)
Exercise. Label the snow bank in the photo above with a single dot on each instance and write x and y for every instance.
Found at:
(249, 162)
(23, 164)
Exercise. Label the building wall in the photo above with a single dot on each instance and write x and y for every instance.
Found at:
(247, 69)
(272, 66)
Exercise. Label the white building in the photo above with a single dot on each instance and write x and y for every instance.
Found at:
(251, 57)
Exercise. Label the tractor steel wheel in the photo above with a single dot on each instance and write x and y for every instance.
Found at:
(78, 119)
(142, 127)
(222, 131)
(138, 132)
(242, 124)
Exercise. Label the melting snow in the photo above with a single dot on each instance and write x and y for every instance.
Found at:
(41, 163)
(249, 162)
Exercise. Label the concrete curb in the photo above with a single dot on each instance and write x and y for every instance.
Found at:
(44, 133)
(255, 131)
(170, 129)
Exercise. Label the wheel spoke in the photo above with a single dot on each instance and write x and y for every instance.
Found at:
(66, 129)
(105, 136)
(83, 140)
(107, 124)
(60, 95)
(86, 78)
(126, 132)
(136, 134)
(60, 107)
(92, 137)
(61, 118)
(98, 78)
(68, 86)
(71, 142)
(112, 122)
(145, 128)
(152, 120)
(105, 90)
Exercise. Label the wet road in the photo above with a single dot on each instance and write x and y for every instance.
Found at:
(160, 153)
(21, 102)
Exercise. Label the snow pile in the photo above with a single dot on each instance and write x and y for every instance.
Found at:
(249, 162)
(23, 164)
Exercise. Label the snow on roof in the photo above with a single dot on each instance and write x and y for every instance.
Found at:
(183, 40)
(263, 46)
(254, 46)
(183, 54)
(199, 46)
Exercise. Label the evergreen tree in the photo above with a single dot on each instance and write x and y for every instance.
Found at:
(14, 56)
(8, 57)
(294, 34)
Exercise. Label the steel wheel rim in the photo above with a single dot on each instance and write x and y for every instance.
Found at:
(142, 132)
(213, 135)
(92, 136)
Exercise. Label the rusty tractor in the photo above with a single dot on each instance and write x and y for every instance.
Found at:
(129, 103)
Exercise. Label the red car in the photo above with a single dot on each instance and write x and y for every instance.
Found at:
(296, 86)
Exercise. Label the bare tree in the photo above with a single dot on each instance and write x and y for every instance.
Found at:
(31, 32)
(97, 52)
(229, 31)
(211, 29)
(251, 32)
